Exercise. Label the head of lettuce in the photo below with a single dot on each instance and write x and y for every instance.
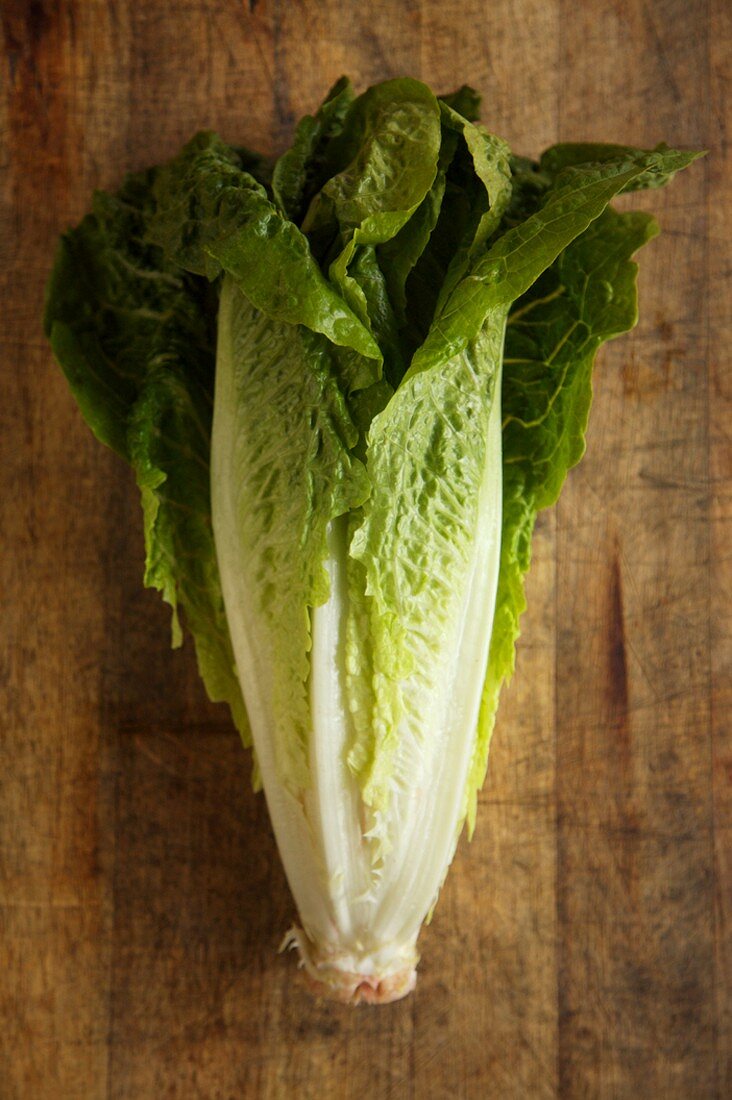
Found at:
(346, 381)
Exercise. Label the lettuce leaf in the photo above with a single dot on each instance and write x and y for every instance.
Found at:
(283, 469)
(552, 336)
(134, 336)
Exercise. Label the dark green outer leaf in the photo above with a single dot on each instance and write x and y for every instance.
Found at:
(466, 101)
(553, 333)
(514, 262)
(475, 179)
(134, 338)
(572, 155)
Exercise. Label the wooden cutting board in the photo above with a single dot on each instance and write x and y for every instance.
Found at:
(581, 947)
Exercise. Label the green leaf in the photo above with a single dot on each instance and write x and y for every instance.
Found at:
(390, 151)
(413, 539)
(301, 171)
(552, 336)
(427, 458)
(577, 196)
(476, 189)
(134, 336)
(389, 155)
(282, 470)
(466, 101)
(660, 171)
(488, 184)
(211, 216)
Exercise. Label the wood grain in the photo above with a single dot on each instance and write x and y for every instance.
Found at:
(719, 321)
(635, 873)
(582, 945)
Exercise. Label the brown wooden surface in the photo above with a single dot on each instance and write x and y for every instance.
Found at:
(581, 947)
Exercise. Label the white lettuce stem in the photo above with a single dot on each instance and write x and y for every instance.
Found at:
(333, 803)
(298, 845)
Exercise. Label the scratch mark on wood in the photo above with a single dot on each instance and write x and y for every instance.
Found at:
(38, 21)
(618, 665)
(283, 110)
(666, 66)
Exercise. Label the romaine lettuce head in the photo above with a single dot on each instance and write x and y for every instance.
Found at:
(347, 381)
